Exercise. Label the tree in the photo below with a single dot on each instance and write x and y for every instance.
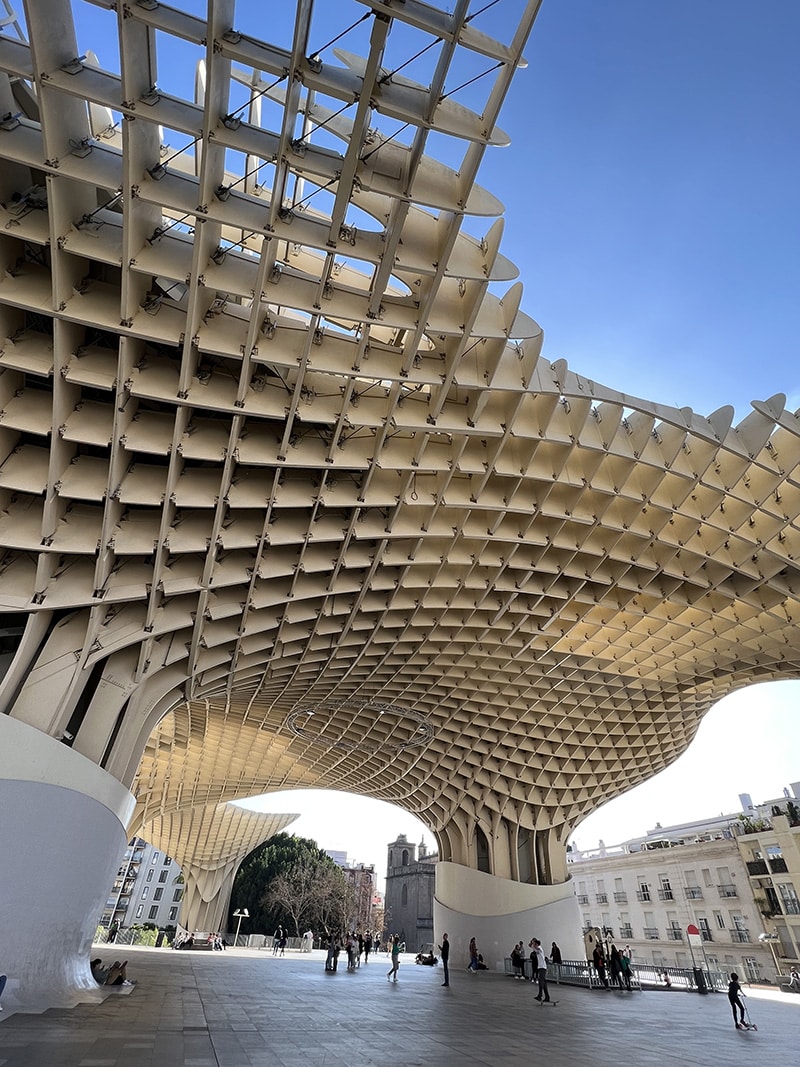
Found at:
(295, 891)
(258, 870)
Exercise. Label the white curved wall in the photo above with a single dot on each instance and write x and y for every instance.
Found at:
(62, 834)
(498, 912)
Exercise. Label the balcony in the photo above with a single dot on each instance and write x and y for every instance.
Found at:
(694, 892)
(620, 898)
(674, 934)
(583, 898)
(741, 937)
(791, 907)
(643, 894)
(665, 894)
(651, 933)
(727, 891)
(757, 867)
(601, 898)
(706, 935)
(778, 865)
(626, 932)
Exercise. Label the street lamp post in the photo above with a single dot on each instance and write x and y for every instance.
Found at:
(240, 913)
(770, 939)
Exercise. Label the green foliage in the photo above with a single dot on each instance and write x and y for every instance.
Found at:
(278, 857)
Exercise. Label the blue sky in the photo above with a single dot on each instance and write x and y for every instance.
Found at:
(652, 206)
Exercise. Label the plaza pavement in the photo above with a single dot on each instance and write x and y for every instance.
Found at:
(245, 1008)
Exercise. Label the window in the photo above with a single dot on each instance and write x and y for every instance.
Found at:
(173, 914)
(643, 892)
(482, 848)
(163, 876)
(167, 861)
(139, 911)
(665, 892)
(177, 895)
(150, 875)
(524, 857)
(154, 912)
(404, 860)
(146, 892)
(707, 879)
(158, 894)
(720, 920)
(705, 929)
(155, 857)
(791, 905)
(404, 896)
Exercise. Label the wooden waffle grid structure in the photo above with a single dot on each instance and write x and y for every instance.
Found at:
(280, 437)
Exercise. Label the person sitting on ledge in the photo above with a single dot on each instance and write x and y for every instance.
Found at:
(113, 975)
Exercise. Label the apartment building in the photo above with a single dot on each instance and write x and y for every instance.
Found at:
(646, 893)
(148, 888)
(768, 839)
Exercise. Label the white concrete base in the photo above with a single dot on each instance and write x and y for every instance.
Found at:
(62, 835)
(498, 912)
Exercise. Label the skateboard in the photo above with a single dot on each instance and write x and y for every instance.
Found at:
(546, 1003)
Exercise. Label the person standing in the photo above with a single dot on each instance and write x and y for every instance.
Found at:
(444, 948)
(599, 961)
(367, 947)
(518, 961)
(395, 952)
(541, 969)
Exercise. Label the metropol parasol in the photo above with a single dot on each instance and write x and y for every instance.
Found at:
(290, 496)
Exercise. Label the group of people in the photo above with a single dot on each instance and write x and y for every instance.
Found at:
(615, 970)
(355, 943)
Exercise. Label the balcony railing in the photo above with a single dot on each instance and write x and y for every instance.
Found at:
(778, 865)
(583, 898)
(620, 898)
(651, 933)
(740, 936)
(727, 891)
(791, 907)
(626, 932)
(757, 867)
(706, 935)
(601, 898)
(674, 934)
(643, 894)
(694, 892)
(665, 894)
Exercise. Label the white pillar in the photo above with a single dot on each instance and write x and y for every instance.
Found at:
(498, 912)
(62, 835)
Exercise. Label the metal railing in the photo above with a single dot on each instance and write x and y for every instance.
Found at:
(674, 934)
(651, 933)
(740, 936)
(694, 892)
(727, 891)
(620, 898)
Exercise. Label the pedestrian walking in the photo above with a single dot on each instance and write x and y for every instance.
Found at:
(395, 953)
(444, 949)
(473, 955)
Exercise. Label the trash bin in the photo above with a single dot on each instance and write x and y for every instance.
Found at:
(700, 980)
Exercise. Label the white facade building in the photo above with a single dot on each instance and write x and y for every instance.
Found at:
(646, 892)
(148, 888)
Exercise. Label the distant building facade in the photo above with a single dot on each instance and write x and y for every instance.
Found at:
(410, 876)
(735, 877)
(361, 878)
(148, 888)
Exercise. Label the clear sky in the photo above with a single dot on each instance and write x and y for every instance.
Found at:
(652, 200)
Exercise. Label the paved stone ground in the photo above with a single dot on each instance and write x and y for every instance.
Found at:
(245, 1008)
